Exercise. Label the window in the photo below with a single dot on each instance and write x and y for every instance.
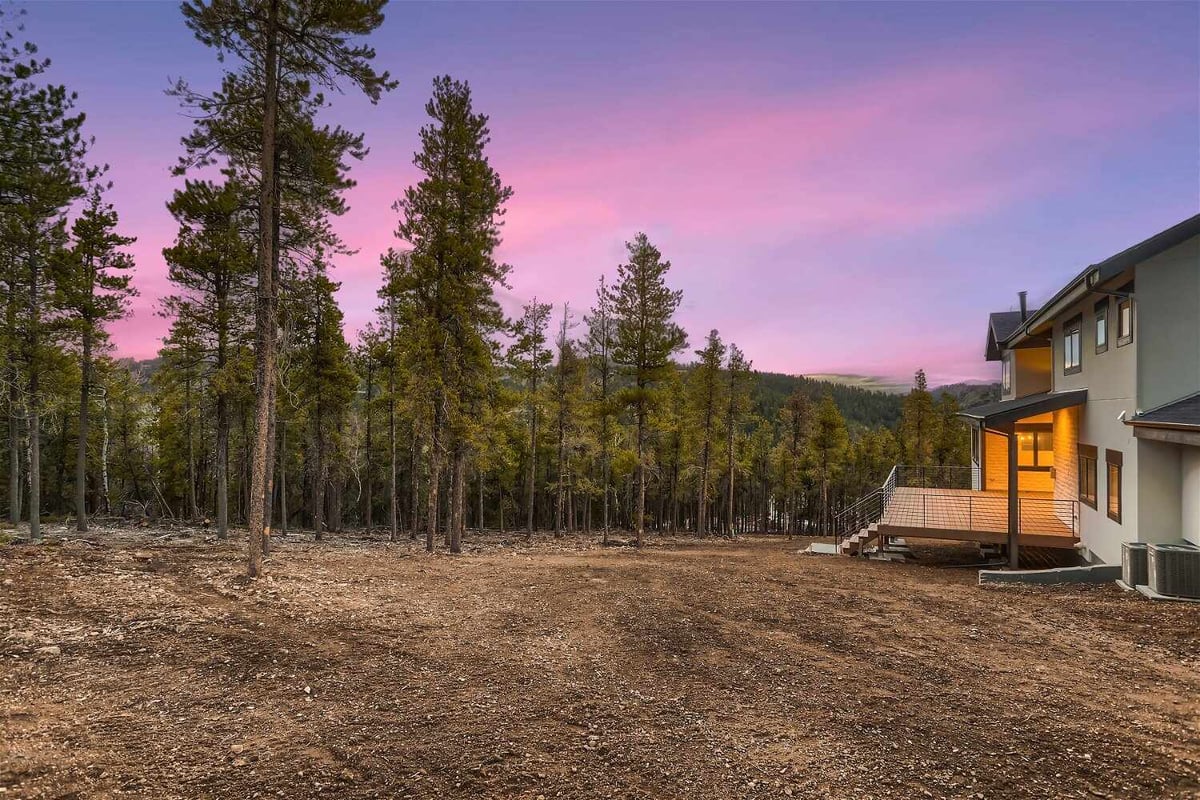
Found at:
(1035, 447)
(1072, 346)
(1006, 373)
(1102, 326)
(1124, 321)
(1114, 461)
(1087, 474)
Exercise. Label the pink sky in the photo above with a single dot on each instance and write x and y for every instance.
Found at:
(857, 220)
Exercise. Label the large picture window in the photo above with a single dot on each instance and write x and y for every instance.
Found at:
(1102, 326)
(1114, 460)
(1073, 346)
(1087, 474)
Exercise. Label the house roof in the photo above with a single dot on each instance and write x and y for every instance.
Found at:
(1001, 325)
(1182, 413)
(1109, 268)
(1005, 412)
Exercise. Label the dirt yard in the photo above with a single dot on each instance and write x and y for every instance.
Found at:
(141, 666)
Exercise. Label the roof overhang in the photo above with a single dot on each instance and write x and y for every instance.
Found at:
(1097, 277)
(1181, 417)
(1006, 412)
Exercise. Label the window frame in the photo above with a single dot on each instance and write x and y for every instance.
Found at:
(1034, 429)
(1087, 467)
(1101, 324)
(1114, 461)
(1126, 337)
(1073, 327)
(1006, 370)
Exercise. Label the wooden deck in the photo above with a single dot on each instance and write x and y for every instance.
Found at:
(971, 516)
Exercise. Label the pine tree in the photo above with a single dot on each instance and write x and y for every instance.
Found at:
(706, 405)
(91, 282)
(43, 154)
(827, 444)
(530, 357)
(598, 345)
(918, 426)
(309, 44)
(645, 338)
(211, 265)
(737, 401)
(452, 219)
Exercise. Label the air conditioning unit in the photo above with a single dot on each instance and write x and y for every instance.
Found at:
(1133, 564)
(1174, 569)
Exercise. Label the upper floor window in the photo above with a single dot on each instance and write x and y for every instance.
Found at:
(1006, 373)
(1073, 346)
(1124, 321)
(1102, 326)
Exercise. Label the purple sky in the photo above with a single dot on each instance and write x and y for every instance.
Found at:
(840, 187)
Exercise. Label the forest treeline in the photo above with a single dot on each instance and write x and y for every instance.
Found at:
(444, 414)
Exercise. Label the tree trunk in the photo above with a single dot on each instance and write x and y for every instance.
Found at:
(193, 506)
(85, 381)
(222, 467)
(319, 476)
(458, 517)
(370, 466)
(265, 316)
(283, 508)
(529, 485)
(641, 466)
(435, 474)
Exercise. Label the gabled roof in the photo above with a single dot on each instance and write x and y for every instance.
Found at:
(1001, 325)
(1005, 412)
(1183, 413)
(1109, 268)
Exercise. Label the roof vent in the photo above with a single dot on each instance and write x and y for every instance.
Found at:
(1024, 306)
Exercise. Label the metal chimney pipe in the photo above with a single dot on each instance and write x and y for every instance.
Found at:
(1024, 307)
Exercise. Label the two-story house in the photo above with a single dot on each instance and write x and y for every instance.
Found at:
(1098, 426)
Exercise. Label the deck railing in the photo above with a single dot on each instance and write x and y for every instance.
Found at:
(937, 477)
(938, 501)
(977, 511)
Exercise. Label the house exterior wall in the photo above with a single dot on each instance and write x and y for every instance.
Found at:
(1159, 488)
(1190, 494)
(1167, 319)
(1111, 381)
(1031, 371)
(995, 462)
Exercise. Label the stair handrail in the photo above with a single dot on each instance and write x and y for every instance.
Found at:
(868, 509)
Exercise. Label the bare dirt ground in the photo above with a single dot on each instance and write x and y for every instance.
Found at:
(139, 666)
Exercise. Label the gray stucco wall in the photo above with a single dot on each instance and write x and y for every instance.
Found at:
(1111, 381)
(1159, 491)
(1190, 489)
(1167, 328)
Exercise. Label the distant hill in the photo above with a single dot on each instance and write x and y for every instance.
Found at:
(862, 405)
(971, 394)
(870, 382)
(864, 401)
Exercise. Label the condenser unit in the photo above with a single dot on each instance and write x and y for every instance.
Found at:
(1174, 569)
(1133, 564)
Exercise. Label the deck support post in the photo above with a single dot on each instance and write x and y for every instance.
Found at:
(1014, 500)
